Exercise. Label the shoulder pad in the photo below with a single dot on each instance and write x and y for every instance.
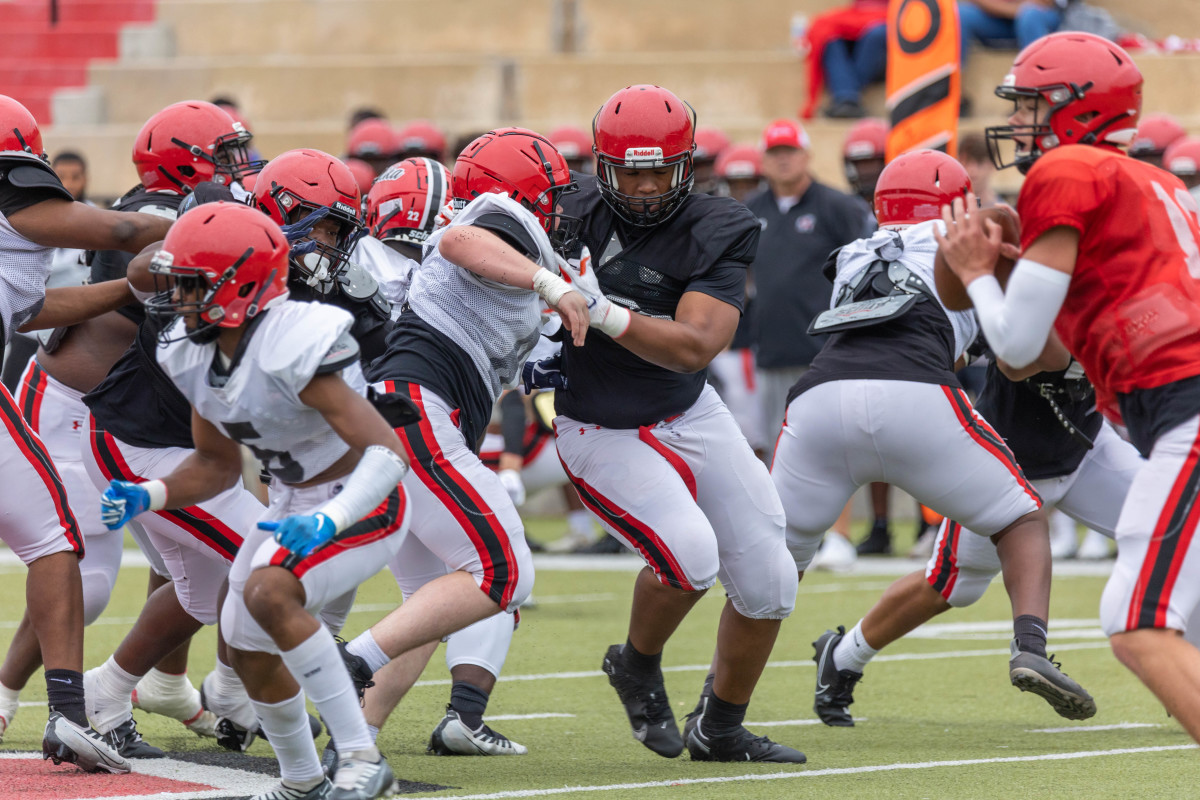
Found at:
(357, 283)
(35, 175)
(340, 355)
(381, 306)
(166, 212)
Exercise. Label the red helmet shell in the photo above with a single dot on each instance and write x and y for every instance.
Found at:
(306, 179)
(571, 141)
(364, 174)
(188, 143)
(1183, 157)
(404, 202)
(915, 185)
(866, 139)
(710, 143)
(19, 131)
(240, 253)
(421, 138)
(372, 138)
(644, 126)
(521, 164)
(740, 161)
(1155, 134)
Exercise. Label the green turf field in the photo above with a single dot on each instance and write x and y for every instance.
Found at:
(941, 719)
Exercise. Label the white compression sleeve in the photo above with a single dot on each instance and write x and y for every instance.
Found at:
(377, 473)
(1017, 322)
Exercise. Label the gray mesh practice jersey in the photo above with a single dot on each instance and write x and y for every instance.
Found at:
(25, 267)
(497, 325)
(391, 270)
(258, 403)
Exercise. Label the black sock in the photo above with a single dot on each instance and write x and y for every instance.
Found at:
(64, 687)
(721, 718)
(1031, 634)
(640, 662)
(470, 702)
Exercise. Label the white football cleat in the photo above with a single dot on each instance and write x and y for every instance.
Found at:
(174, 696)
(452, 737)
(836, 553)
(83, 747)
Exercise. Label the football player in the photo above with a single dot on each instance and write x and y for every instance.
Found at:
(37, 215)
(649, 445)
(1182, 160)
(575, 145)
(281, 377)
(71, 361)
(1155, 133)
(475, 312)
(740, 171)
(420, 139)
(374, 141)
(882, 394)
(1110, 255)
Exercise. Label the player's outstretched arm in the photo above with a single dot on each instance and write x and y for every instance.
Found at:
(214, 466)
(70, 305)
(65, 223)
(703, 326)
(1054, 357)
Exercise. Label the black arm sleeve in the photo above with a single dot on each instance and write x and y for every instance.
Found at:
(512, 422)
(510, 231)
(14, 199)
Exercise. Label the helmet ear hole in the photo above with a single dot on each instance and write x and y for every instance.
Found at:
(246, 289)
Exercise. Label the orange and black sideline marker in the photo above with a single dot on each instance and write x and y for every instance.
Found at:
(923, 76)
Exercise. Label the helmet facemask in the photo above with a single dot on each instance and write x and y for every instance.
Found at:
(319, 265)
(230, 157)
(638, 210)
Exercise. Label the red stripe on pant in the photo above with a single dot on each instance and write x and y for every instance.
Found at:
(674, 459)
(105, 451)
(34, 451)
(429, 440)
(749, 373)
(945, 570)
(339, 546)
(1161, 527)
(1000, 452)
(29, 397)
(654, 551)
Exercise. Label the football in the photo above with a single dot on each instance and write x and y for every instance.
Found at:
(950, 289)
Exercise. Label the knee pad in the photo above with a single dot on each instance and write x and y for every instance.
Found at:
(771, 596)
(525, 574)
(201, 605)
(484, 644)
(97, 589)
(336, 611)
(969, 586)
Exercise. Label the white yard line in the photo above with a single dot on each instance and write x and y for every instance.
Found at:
(547, 715)
(812, 773)
(1119, 726)
(787, 723)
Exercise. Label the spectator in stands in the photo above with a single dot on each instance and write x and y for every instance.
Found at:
(847, 49)
(1155, 133)
(1182, 160)
(802, 221)
(1007, 24)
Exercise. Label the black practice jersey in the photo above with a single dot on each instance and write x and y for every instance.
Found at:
(1149, 413)
(705, 247)
(107, 265)
(1022, 414)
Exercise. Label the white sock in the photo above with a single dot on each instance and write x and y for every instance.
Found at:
(179, 698)
(9, 696)
(286, 724)
(371, 729)
(365, 646)
(580, 522)
(853, 652)
(226, 697)
(110, 703)
(317, 666)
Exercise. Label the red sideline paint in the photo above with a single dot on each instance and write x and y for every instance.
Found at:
(35, 779)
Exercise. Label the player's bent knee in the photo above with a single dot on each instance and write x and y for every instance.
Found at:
(969, 586)
(772, 596)
(97, 590)
(803, 546)
(272, 593)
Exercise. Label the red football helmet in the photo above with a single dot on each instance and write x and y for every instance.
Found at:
(191, 142)
(526, 167)
(364, 173)
(572, 142)
(710, 143)
(863, 155)
(404, 203)
(296, 184)
(644, 126)
(1182, 158)
(372, 138)
(740, 161)
(224, 263)
(421, 138)
(19, 133)
(915, 185)
(1155, 133)
(1091, 89)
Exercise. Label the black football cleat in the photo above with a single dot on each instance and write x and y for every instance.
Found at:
(835, 687)
(741, 745)
(360, 673)
(878, 541)
(1043, 676)
(646, 704)
(126, 740)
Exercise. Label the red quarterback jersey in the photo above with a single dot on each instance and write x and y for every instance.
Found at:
(1132, 312)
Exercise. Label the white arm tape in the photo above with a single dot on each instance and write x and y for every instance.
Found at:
(158, 495)
(549, 286)
(377, 474)
(1018, 322)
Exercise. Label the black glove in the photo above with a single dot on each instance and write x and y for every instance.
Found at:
(544, 374)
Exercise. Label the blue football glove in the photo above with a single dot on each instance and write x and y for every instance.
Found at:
(121, 502)
(297, 232)
(301, 533)
(544, 374)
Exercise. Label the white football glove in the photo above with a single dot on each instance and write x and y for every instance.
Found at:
(604, 315)
(510, 479)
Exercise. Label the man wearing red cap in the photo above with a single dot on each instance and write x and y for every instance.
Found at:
(802, 222)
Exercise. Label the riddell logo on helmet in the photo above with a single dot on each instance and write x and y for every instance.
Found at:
(643, 154)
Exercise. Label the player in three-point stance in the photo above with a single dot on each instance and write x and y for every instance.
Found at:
(281, 377)
(1110, 260)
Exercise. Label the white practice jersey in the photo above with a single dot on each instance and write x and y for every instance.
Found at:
(917, 255)
(258, 404)
(391, 270)
(497, 325)
(23, 279)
